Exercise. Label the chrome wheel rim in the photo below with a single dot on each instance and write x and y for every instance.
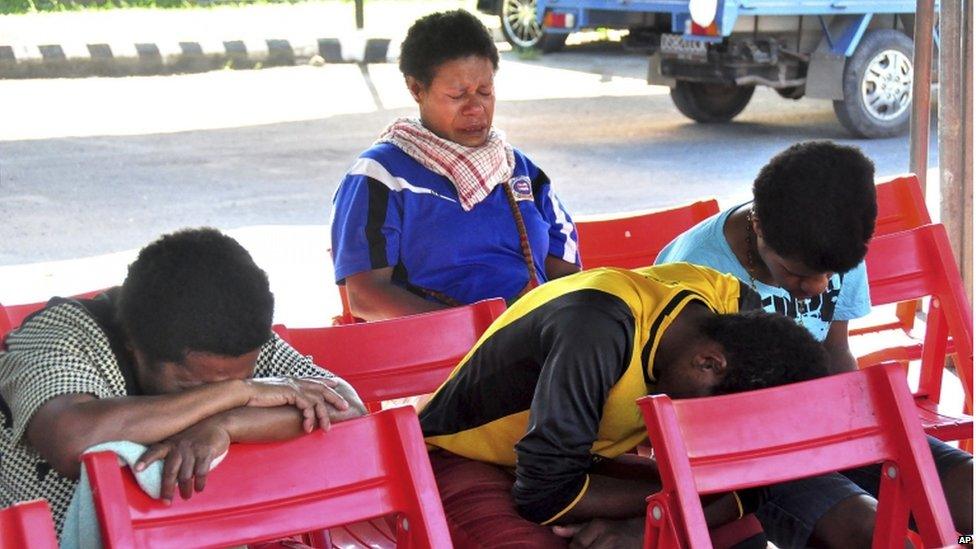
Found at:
(518, 17)
(886, 87)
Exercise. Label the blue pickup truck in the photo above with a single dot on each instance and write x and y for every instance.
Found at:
(713, 53)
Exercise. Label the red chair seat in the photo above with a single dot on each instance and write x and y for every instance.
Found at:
(941, 424)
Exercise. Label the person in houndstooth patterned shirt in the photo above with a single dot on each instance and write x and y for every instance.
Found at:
(180, 358)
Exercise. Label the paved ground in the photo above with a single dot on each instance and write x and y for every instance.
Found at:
(94, 168)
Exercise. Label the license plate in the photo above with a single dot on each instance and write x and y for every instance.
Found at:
(676, 45)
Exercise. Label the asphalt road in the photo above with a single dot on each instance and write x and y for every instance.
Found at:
(95, 166)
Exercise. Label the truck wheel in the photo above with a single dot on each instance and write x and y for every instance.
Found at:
(522, 29)
(708, 103)
(878, 86)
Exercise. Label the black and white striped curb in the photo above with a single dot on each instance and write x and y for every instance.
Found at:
(150, 58)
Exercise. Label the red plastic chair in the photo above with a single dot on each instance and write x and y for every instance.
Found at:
(363, 468)
(915, 264)
(901, 206)
(27, 524)
(713, 445)
(391, 359)
(634, 239)
(346, 317)
(11, 316)
(5, 325)
(399, 357)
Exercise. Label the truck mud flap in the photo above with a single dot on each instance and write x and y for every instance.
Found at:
(654, 76)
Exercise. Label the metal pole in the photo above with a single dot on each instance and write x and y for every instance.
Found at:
(956, 130)
(921, 89)
(952, 172)
(359, 14)
(967, 144)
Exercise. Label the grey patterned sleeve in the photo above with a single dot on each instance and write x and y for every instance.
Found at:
(278, 358)
(56, 353)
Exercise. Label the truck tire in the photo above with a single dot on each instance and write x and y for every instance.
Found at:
(522, 30)
(710, 103)
(878, 86)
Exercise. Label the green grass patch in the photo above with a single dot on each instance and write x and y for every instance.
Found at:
(527, 54)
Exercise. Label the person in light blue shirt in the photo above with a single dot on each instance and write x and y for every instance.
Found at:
(845, 298)
(801, 244)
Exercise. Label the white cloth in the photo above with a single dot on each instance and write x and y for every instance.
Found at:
(81, 529)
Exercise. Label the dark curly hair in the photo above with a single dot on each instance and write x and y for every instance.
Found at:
(764, 350)
(195, 290)
(816, 203)
(440, 37)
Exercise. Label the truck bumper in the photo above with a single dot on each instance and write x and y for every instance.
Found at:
(743, 74)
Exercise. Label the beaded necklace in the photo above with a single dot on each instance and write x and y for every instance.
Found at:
(752, 267)
(751, 259)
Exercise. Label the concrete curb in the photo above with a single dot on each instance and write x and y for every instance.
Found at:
(152, 58)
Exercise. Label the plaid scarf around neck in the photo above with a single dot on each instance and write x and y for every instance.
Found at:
(474, 171)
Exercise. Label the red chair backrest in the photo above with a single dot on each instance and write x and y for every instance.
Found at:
(5, 325)
(11, 316)
(901, 205)
(919, 263)
(711, 445)
(359, 469)
(399, 357)
(634, 239)
(27, 524)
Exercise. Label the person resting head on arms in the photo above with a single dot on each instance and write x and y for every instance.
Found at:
(801, 244)
(180, 358)
(442, 210)
(550, 391)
